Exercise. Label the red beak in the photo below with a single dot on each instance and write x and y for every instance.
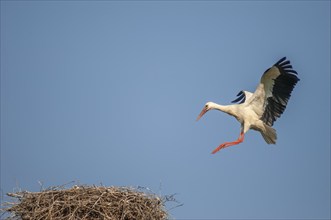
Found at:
(204, 110)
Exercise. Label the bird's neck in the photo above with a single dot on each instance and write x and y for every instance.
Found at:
(224, 108)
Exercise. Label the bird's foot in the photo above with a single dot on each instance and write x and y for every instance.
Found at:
(219, 148)
(228, 144)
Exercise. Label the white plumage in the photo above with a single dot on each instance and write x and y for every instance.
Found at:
(259, 110)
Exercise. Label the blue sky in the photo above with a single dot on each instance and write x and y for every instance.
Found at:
(108, 92)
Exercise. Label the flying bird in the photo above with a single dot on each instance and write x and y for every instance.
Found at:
(259, 110)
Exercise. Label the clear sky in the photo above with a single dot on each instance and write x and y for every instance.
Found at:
(108, 92)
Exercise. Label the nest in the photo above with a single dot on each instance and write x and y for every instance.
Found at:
(87, 202)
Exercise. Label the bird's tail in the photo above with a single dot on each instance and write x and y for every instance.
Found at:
(269, 134)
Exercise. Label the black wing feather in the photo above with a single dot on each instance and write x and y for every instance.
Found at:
(280, 61)
(281, 92)
(241, 98)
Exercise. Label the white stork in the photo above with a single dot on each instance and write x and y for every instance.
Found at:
(259, 110)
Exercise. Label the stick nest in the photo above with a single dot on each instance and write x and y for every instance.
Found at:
(87, 202)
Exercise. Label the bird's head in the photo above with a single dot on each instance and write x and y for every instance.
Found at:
(208, 106)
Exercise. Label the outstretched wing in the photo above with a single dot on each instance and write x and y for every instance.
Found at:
(278, 83)
(242, 97)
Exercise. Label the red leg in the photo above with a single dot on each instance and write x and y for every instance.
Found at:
(228, 144)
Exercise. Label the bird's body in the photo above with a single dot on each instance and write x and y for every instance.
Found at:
(259, 110)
